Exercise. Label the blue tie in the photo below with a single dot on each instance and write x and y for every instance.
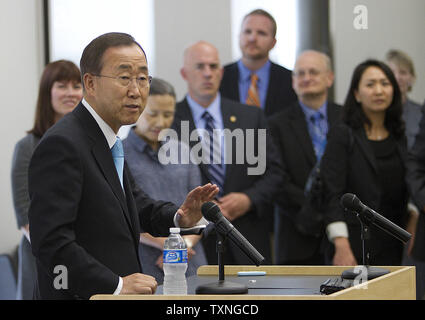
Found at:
(318, 134)
(216, 170)
(118, 156)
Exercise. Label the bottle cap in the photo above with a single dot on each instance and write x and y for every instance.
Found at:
(174, 230)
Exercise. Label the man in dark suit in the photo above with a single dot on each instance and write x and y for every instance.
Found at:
(86, 210)
(246, 188)
(301, 142)
(254, 70)
(416, 180)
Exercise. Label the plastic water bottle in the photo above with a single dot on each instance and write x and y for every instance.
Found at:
(175, 264)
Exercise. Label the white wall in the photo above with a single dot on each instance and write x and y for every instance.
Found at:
(391, 24)
(177, 26)
(20, 64)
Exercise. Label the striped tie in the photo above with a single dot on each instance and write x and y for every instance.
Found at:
(215, 159)
(253, 98)
(318, 132)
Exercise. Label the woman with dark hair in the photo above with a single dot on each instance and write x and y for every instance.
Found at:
(59, 93)
(365, 155)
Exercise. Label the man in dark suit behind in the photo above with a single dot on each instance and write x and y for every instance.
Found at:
(86, 213)
(416, 181)
(301, 146)
(274, 84)
(244, 195)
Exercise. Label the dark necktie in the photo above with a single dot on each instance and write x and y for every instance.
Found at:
(215, 166)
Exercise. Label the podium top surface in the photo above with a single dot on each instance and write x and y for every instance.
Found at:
(292, 283)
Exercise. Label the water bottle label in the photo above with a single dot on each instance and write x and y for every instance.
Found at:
(175, 256)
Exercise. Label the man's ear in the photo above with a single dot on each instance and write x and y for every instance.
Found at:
(183, 73)
(331, 77)
(221, 73)
(89, 84)
(273, 44)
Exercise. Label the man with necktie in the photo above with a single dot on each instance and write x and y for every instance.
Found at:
(243, 197)
(300, 133)
(254, 79)
(86, 210)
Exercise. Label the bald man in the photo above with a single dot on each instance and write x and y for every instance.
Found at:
(245, 189)
(300, 134)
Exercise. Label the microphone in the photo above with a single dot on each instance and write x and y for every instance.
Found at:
(212, 213)
(351, 202)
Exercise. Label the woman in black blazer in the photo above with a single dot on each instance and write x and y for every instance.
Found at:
(365, 155)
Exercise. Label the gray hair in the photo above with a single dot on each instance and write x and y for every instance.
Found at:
(324, 55)
(162, 88)
(401, 59)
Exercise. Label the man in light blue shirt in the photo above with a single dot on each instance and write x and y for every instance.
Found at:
(317, 124)
(263, 74)
(243, 198)
(300, 132)
(274, 84)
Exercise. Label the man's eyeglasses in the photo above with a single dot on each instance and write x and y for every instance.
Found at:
(142, 81)
(303, 73)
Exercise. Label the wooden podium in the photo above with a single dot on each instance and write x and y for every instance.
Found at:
(304, 281)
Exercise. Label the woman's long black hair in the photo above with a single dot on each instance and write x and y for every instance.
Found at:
(353, 114)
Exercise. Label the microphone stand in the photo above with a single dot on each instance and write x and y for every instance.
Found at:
(371, 272)
(222, 286)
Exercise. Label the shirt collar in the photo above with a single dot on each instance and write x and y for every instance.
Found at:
(245, 73)
(107, 131)
(137, 142)
(198, 110)
(309, 112)
(139, 145)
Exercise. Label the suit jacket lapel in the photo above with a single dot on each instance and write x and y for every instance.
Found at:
(361, 138)
(402, 149)
(131, 205)
(102, 155)
(106, 164)
(299, 126)
(184, 114)
(230, 119)
(234, 80)
(231, 122)
(332, 114)
(274, 84)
